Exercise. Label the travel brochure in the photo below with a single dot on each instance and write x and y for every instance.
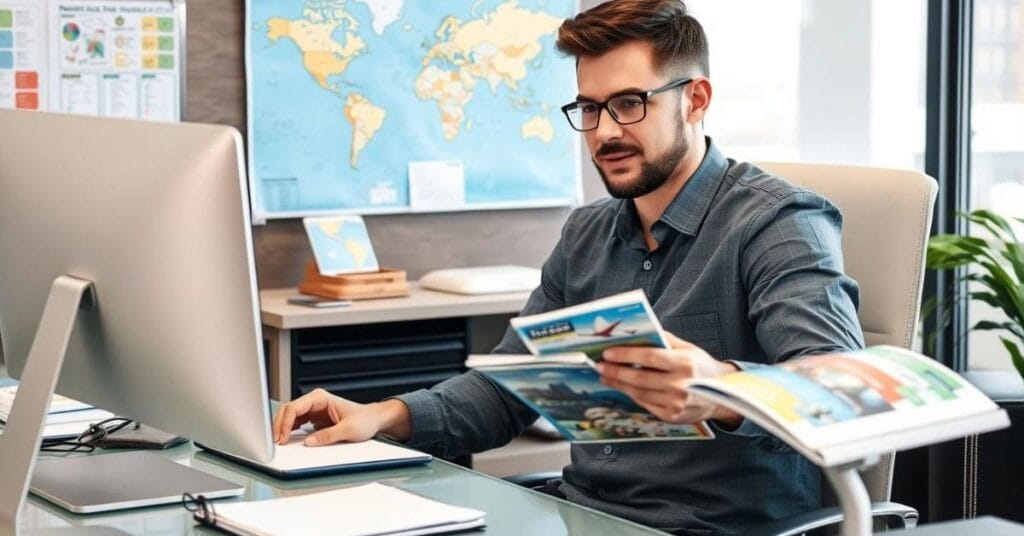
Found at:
(835, 408)
(559, 380)
(621, 320)
(843, 407)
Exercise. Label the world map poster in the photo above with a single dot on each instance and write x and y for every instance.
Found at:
(344, 94)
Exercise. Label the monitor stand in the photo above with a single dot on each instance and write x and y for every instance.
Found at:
(22, 435)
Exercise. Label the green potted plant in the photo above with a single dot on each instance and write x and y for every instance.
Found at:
(981, 476)
(995, 275)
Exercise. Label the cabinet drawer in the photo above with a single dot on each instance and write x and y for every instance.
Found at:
(380, 334)
(372, 361)
(374, 388)
(406, 357)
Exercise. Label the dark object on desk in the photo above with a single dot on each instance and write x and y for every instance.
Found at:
(140, 437)
(115, 432)
(318, 302)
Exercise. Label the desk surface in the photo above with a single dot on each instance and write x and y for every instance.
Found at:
(509, 508)
(421, 304)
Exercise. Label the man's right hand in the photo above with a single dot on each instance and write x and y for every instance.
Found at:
(336, 419)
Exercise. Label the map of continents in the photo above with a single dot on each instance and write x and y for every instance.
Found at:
(343, 94)
(342, 245)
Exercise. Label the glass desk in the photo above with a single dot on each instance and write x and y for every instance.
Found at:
(510, 509)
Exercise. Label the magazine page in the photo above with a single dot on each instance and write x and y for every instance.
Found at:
(871, 396)
(505, 360)
(621, 320)
(572, 397)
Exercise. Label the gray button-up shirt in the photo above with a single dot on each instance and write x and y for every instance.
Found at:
(749, 268)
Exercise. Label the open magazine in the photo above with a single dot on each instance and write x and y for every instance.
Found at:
(559, 380)
(840, 408)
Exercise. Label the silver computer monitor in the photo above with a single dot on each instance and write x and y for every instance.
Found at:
(156, 217)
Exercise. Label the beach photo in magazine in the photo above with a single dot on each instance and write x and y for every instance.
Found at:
(583, 409)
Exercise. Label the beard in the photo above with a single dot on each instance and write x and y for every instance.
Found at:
(653, 173)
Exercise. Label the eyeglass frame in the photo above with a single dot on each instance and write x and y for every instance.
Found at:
(86, 441)
(642, 95)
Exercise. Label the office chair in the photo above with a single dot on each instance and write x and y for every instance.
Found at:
(886, 221)
(887, 217)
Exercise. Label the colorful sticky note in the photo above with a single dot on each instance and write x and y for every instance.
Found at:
(6, 59)
(166, 24)
(6, 39)
(6, 18)
(26, 101)
(166, 42)
(26, 80)
(166, 61)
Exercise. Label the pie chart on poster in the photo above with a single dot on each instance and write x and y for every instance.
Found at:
(71, 31)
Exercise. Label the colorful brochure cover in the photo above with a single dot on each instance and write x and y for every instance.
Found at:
(621, 320)
(844, 406)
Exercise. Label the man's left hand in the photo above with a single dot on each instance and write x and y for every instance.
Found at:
(656, 378)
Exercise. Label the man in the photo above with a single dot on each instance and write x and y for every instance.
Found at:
(741, 267)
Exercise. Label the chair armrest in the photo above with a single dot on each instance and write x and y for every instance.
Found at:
(532, 480)
(896, 515)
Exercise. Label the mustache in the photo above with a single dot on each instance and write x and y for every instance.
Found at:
(615, 147)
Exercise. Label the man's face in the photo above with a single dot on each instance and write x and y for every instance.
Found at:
(634, 159)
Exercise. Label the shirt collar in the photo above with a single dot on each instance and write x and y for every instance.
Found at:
(686, 212)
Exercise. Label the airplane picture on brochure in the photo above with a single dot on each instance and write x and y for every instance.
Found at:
(591, 331)
(604, 328)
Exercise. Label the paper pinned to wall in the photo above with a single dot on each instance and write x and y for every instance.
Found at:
(110, 58)
(23, 69)
(437, 185)
(116, 58)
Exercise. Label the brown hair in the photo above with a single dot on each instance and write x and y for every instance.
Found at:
(678, 39)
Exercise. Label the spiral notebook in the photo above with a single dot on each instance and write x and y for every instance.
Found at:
(362, 510)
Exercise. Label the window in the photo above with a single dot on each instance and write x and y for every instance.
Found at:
(997, 141)
(838, 81)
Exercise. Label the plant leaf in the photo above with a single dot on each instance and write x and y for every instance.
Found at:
(1015, 355)
(1014, 254)
(990, 220)
(987, 325)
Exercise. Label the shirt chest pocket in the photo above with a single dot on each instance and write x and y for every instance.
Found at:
(702, 329)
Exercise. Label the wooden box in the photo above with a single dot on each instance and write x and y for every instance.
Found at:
(385, 283)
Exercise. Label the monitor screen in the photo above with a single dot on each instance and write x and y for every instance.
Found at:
(156, 216)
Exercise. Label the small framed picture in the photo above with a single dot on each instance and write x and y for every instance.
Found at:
(341, 245)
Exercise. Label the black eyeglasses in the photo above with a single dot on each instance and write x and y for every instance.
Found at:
(86, 441)
(624, 109)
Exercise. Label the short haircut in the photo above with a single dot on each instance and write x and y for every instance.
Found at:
(678, 39)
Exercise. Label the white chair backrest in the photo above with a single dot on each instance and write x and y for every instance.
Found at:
(887, 216)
